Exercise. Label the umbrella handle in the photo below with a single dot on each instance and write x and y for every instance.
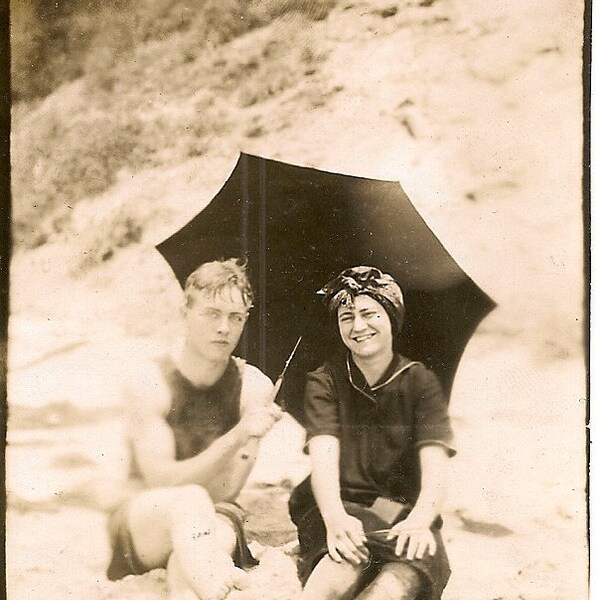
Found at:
(280, 378)
(276, 389)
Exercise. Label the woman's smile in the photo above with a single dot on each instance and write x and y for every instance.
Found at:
(363, 337)
(365, 327)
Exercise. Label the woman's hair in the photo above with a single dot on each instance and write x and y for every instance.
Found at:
(368, 281)
(217, 276)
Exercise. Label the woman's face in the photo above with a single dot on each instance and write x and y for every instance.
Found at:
(365, 328)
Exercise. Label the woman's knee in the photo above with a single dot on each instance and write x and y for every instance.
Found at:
(342, 569)
(330, 579)
(405, 576)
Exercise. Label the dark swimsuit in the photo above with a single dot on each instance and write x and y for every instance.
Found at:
(197, 417)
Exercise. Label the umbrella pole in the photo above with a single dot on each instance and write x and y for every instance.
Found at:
(280, 378)
(262, 265)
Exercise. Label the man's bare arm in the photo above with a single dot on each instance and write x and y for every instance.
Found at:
(256, 388)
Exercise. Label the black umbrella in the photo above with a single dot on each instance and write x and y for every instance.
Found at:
(298, 227)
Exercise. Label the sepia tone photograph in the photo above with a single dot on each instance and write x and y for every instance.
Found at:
(298, 300)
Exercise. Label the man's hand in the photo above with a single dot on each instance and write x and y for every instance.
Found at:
(257, 422)
(346, 539)
(418, 536)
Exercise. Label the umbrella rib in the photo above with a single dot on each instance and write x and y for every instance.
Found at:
(245, 222)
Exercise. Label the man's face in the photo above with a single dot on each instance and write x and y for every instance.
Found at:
(365, 327)
(215, 322)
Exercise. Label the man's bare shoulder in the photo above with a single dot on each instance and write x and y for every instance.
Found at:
(145, 388)
(253, 377)
(256, 386)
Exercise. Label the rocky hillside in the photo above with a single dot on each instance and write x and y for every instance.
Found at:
(476, 110)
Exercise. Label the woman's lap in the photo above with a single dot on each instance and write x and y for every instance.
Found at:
(312, 536)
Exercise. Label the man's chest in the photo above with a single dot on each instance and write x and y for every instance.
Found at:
(198, 419)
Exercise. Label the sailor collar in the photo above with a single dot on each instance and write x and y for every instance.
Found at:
(357, 380)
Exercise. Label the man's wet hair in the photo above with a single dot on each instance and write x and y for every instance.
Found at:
(219, 276)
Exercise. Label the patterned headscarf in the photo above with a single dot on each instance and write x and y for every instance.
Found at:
(369, 281)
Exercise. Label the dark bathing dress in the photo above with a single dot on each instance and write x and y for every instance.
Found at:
(380, 430)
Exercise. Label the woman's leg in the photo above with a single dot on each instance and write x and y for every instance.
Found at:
(395, 581)
(333, 581)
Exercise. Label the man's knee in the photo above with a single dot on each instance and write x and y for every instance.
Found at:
(158, 516)
(191, 496)
(168, 506)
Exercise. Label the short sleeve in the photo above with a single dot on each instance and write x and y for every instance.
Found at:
(431, 420)
(321, 408)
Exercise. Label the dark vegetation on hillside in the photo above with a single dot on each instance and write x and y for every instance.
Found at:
(56, 42)
(99, 88)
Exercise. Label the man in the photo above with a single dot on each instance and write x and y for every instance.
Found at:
(194, 421)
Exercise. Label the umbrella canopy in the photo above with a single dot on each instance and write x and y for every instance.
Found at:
(297, 228)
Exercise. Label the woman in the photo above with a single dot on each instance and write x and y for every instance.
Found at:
(379, 439)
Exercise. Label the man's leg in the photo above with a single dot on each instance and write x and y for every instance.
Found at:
(395, 581)
(179, 525)
(333, 581)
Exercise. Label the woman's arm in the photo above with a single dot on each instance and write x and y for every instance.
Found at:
(345, 534)
(434, 473)
(415, 530)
